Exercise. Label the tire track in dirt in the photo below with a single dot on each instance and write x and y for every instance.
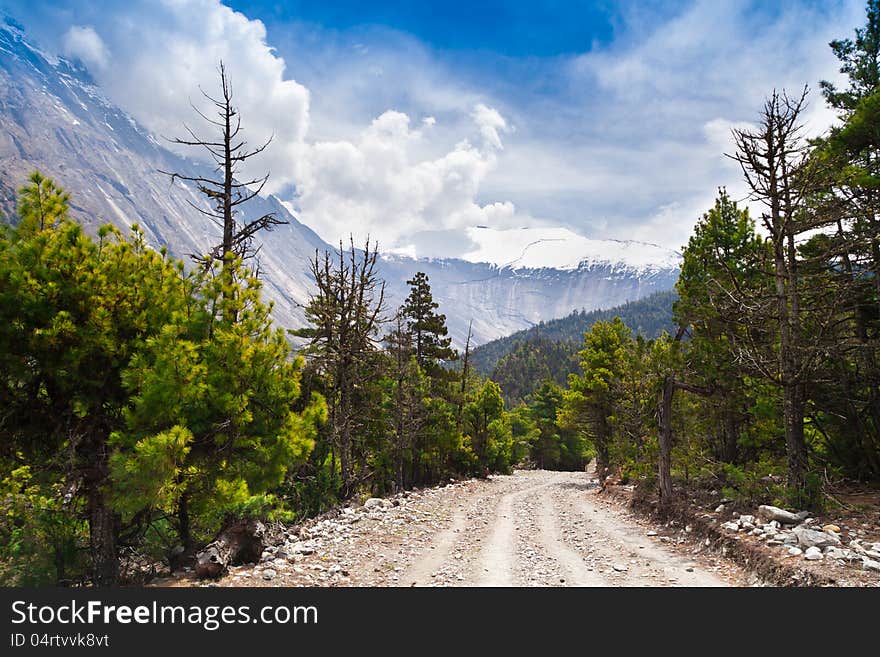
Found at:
(439, 552)
(570, 561)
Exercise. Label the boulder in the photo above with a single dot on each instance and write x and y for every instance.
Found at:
(780, 515)
(813, 554)
(808, 538)
(870, 564)
(373, 503)
(833, 552)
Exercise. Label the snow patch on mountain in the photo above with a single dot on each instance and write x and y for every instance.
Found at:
(563, 249)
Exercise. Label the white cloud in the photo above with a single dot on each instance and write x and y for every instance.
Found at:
(381, 135)
(164, 52)
(83, 43)
(491, 123)
(389, 180)
(378, 185)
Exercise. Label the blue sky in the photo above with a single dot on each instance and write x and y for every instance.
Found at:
(412, 121)
(509, 28)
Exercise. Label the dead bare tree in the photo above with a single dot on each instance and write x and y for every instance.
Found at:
(346, 313)
(775, 162)
(229, 151)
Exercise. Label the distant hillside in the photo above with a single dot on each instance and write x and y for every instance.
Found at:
(521, 361)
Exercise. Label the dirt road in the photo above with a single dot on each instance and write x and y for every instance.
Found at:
(532, 528)
(548, 529)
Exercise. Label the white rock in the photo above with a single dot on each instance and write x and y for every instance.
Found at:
(757, 531)
(268, 574)
(795, 551)
(731, 526)
(747, 519)
(836, 553)
(870, 564)
(719, 508)
(619, 567)
(811, 538)
(780, 515)
(373, 503)
(813, 554)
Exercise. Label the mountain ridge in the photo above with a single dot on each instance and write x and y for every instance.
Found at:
(56, 119)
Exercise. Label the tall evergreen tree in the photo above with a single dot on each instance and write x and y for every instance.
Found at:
(591, 400)
(427, 327)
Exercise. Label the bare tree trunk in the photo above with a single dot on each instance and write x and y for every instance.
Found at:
(664, 442)
(183, 523)
(240, 541)
(102, 539)
(464, 375)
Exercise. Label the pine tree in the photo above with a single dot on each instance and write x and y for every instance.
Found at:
(591, 400)
(427, 327)
(41, 204)
(346, 312)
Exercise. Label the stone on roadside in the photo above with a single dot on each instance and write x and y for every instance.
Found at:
(870, 564)
(779, 515)
(619, 567)
(833, 552)
(813, 554)
(269, 574)
(374, 503)
(795, 551)
(808, 538)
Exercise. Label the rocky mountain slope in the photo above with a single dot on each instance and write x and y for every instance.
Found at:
(54, 118)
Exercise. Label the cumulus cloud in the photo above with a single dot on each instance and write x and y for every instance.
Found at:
(83, 43)
(392, 180)
(165, 51)
(378, 185)
(378, 134)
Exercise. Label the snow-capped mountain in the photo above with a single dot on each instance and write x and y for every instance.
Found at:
(54, 118)
(561, 248)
